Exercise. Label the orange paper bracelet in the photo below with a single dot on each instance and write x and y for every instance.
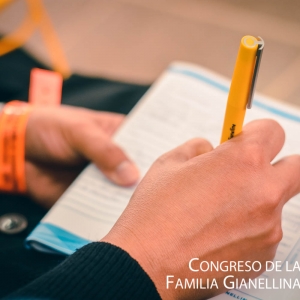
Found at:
(13, 120)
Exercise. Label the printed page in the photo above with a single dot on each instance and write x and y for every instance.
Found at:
(176, 109)
(186, 102)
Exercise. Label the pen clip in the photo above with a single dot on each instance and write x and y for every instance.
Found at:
(259, 52)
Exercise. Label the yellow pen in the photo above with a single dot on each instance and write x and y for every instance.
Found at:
(242, 85)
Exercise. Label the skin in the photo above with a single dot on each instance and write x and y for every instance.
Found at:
(216, 205)
(194, 202)
(60, 141)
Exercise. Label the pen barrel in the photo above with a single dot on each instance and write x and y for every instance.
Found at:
(240, 88)
(242, 76)
(233, 122)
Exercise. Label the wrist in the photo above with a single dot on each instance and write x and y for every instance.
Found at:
(126, 240)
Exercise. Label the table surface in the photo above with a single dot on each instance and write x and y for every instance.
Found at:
(135, 40)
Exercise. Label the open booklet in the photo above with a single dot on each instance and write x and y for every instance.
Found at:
(185, 102)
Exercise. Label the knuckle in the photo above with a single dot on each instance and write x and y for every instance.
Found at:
(274, 126)
(162, 160)
(252, 155)
(111, 154)
(275, 236)
(109, 147)
(272, 234)
(165, 158)
(176, 155)
(78, 125)
(202, 143)
(272, 199)
(264, 207)
(78, 128)
(74, 130)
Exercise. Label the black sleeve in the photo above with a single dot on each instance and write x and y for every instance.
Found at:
(96, 271)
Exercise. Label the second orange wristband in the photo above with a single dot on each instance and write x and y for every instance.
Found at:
(13, 121)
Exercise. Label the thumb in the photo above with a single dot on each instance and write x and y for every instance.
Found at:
(92, 143)
(188, 150)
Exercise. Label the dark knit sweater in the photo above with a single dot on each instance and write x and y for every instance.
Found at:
(96, 271)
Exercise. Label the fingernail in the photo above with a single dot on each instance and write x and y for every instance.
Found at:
(127, 173)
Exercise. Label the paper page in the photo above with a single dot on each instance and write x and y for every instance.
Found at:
(176, 109)
(186, 102)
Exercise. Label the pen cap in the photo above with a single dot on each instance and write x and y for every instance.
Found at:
(243, 72)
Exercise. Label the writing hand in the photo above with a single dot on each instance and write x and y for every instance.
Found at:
(215, 205)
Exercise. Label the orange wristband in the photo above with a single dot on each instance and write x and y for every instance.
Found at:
(13, 121)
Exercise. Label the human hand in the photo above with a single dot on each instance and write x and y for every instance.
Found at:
(215, 205)
(59, 143)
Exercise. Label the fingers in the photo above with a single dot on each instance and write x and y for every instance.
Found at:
(265, 138)
(46, 184)
(93, 141)
(188, 150)
(266, 135)
(93, 144)
(109, 122)
(288, 173)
